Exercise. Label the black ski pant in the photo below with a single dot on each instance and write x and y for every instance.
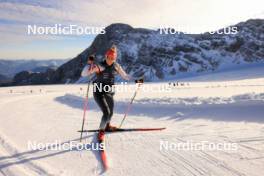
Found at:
(105, 101)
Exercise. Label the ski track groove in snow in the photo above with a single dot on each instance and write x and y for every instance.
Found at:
(27, 166)
(222, 164)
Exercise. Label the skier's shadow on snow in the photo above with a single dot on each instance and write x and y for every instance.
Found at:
(239, 110)
(27, 156)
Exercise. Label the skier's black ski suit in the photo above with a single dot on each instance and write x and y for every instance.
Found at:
(104, 96)
(103, 90)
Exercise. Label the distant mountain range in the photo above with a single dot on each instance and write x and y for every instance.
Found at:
(163, 56)
(4, 79)
(9, 68)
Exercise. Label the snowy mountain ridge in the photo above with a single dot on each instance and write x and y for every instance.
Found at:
(162, 57)
(170, 56)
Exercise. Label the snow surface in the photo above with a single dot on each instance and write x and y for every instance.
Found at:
(230, 110)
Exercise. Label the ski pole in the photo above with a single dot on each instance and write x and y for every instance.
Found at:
(85, 104)
(129, 105)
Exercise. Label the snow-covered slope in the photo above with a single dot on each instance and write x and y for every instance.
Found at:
(236, 72)
(227, 111)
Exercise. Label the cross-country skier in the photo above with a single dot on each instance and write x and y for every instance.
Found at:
(105, 79)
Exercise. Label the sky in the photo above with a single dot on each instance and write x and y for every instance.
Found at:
(189, 15)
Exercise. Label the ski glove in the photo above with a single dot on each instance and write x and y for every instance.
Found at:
(91, 59)
(139, 80)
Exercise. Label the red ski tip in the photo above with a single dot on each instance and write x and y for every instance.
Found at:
(104, 160)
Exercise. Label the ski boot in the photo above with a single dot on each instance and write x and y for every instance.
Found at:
(110, 128)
